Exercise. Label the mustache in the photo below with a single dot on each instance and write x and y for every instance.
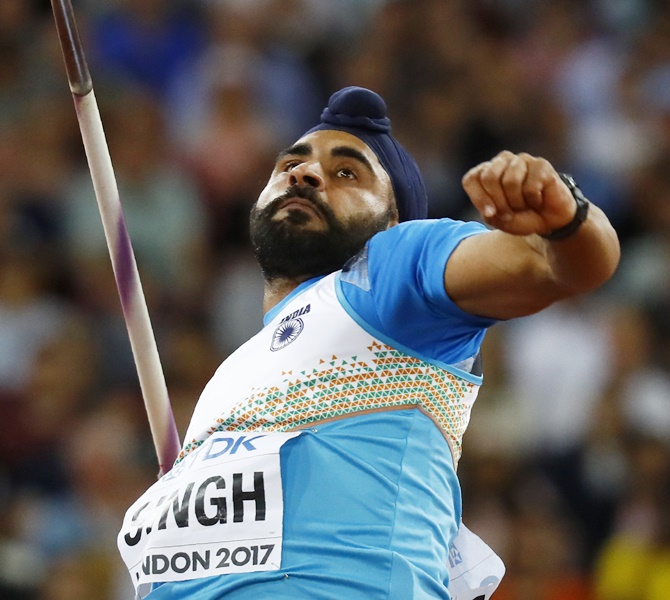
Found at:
(306, 193)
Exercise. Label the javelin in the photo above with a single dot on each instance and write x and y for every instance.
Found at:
(133, 303)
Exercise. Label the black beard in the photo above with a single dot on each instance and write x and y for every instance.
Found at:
(284, 249)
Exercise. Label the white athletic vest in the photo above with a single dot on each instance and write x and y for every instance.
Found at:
(313, 362)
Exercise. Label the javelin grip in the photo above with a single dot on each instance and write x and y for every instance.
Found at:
(78, 74)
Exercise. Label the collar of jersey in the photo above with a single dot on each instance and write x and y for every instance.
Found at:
(275, 310)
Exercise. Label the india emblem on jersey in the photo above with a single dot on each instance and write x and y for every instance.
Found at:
(286, 332)
(289, 329)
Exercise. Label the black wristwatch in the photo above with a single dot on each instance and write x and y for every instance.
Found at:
(580, 215)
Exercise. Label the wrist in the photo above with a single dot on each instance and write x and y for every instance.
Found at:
(580, 214)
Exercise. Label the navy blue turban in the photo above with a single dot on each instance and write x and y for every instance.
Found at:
(363, 113)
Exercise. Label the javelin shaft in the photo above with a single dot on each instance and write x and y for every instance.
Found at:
(133, 303)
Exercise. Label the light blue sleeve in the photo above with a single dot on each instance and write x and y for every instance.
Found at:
(394, 288)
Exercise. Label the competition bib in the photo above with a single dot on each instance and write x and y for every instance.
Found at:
(219, 511)
(475, 570)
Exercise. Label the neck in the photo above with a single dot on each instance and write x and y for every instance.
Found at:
(277, 289)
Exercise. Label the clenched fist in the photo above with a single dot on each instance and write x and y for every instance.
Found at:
(520, 194)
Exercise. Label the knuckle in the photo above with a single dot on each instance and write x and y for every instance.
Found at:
(510, 178)
(469, 178)
(544, 166)
(489, 176)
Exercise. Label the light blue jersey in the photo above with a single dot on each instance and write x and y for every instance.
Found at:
(372, 365)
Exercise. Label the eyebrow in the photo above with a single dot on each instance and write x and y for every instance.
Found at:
(349, 152)
(338, 151)
(295, 150)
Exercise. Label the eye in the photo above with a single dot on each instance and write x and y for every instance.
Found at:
(346, 173)
(290, 165)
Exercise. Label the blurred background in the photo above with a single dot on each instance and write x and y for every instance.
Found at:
(566, 465)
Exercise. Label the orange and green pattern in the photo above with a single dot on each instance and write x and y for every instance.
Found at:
(342, 387)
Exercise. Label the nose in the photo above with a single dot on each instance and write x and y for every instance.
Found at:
(307, 174)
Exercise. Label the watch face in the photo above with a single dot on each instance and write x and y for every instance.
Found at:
(569, 180)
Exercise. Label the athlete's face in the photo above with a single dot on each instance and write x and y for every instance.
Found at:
(327, 195)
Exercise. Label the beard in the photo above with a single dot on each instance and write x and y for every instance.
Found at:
(286, 250)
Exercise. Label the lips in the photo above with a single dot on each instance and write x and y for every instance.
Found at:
(299, 203)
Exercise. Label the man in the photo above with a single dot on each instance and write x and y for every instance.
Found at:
(321, 458)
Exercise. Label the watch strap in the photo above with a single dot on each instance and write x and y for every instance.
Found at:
(580, 216)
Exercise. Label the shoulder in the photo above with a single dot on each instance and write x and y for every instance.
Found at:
(418, 232)
(426, 244)
(395, 286)
(401, 271)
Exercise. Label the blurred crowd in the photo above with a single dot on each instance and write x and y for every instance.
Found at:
(566, 465)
